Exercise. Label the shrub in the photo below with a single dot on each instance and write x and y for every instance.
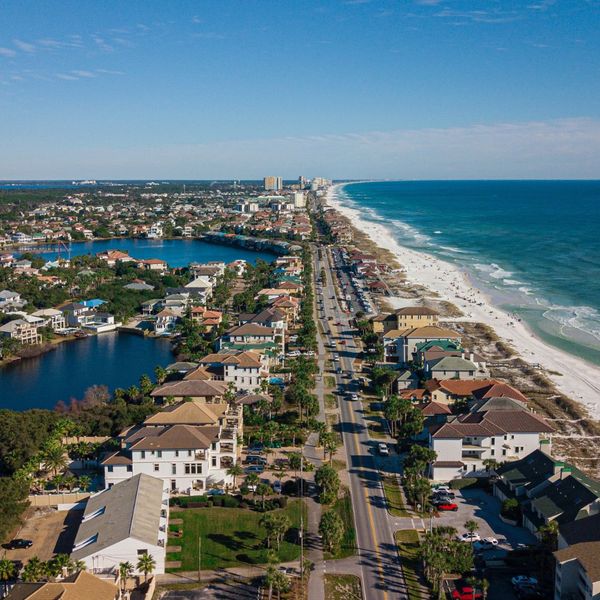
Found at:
(465, 482)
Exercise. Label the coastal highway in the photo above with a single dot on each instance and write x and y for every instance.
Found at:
(378, 561)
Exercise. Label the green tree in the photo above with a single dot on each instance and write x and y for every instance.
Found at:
(54, 458)
(84, 482)
(331, 527)
(7, 572)
(262, 489)
(329, 483)
(235, 471)
(33, 570)
(146, 564)
(125, 572)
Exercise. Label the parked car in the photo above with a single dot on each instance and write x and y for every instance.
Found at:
(383, 449)
(255, 459)
(469, 537)
(19, 544)
(254, 469)
(443, 494)
(255, 448)
(446, 506)
(441, 488)
(521, 580)
(215, 492)
(277, 487)
(485, 544)
(465, 592)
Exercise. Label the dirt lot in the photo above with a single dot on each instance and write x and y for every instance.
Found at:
(51, 532)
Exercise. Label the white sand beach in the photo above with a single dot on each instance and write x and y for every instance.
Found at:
(579, 379)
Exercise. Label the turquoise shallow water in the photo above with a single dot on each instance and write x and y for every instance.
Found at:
(534, 246)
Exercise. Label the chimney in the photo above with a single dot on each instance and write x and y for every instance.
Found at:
(472, 357)
(566, 471)
(462, 354)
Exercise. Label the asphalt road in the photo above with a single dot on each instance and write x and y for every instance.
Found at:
(381, 571)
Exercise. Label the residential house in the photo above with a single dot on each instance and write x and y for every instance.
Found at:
(189, 445)
(451, 367)
(11, 301)
(21, 330)
(400, 345)
(209, 319)
(201, 287)
(153, 264)
(245, 369)
(577, 572)
(500, 429)
(112, 257)
(250, 336)
(197, 389)
(74, 587)
(165, 322)
(122, 523)
(408, 317)
(454, 390)
(52, 318)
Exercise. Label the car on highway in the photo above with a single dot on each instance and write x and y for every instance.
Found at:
(338, 371)
(469, 537)
(383, 449)
(353, 396)
(19, 544)
(446, 506)
(336, 357)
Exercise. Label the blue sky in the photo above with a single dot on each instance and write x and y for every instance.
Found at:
(354, 88)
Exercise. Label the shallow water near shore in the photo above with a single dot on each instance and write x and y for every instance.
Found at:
(532, 246)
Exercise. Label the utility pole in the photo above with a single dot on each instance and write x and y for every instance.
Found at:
(199, 558)
(302, 521)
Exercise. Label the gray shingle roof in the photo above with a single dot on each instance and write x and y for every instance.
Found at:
(130, 508)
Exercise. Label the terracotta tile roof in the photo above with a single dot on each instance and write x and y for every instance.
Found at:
(462, 387)
(434, 408)
(497, 390)
(188, 413)
(194, 389)
(180, 437)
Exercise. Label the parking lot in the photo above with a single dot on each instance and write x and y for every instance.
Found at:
(483, 508)
(51, 532)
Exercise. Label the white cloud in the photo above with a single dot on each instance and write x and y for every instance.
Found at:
(80, 73)
(8, 52)
(24, 46)
(67, 77)
(565, 148)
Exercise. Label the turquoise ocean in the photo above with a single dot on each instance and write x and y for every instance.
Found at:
(532, 246)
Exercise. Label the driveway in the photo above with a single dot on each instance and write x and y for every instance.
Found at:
(51, 532)
(483, 508)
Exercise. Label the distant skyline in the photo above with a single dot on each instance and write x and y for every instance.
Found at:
(374, 89)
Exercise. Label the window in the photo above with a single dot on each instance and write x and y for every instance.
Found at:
(214, 445)
(503, 452)
(214, 461)
(173, 485)
(173, 469)
(189, 452)
(130, 468)
(142, 551)
(110, 468)
(193, 468)
(159, 453)
(493, 441)
(492, 452)
(176, 453)
(156, 467)
(143, 454)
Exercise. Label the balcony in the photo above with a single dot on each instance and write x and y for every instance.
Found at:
(228, 434)
(227, 448)
(200, 455)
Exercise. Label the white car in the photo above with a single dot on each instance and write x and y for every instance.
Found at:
(442, 488)
(293, 353)
(518, 580)
(485, 544)
(469, 537)
(383, 449)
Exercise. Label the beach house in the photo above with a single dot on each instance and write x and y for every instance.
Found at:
(399, 345)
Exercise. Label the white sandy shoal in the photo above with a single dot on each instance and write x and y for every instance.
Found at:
(579, 379)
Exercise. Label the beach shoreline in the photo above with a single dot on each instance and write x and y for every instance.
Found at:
(572, 376)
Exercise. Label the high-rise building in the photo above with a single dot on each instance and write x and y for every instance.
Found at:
(299, 200)
(302, 181)
(272, 183)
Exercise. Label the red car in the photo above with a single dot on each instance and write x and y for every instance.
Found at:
(447, 506)
(466, 593)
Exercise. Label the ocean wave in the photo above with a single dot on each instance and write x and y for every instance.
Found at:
(453, 249)
(493, 270)
(583, 318)
(512, 282)
(410, 231)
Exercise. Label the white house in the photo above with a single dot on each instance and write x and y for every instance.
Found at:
(201, 287)
(497, 428)
(165, 322)
(245, 369)
(51, 318)
(189, 445)
(399, 345)
(10, 300)
(21, 330)
(123, 523)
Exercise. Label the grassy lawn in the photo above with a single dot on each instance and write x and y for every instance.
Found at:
(333, 422)
(342, 587)
(329, 381)
(407, 541)
(179, 587)
(374, 418)
(338, 465)
(394, 497)
(330, 401)
(343, 507)
(229, 537)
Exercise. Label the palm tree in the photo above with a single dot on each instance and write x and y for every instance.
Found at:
(146, 565)
(125, 571)
(471, 526)
(235, 471)
(160, 373)
(84, 482)
(33, 570)
(54, 459)
(78, 566)
(262, 489)
(7, 571)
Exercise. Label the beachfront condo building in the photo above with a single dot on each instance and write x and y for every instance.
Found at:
(273, 183)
